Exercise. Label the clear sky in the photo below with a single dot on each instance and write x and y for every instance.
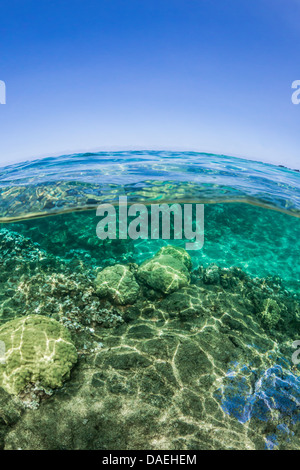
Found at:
(207, 75)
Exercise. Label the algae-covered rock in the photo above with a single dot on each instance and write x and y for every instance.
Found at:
(177, 252)
(167, 271)
(211, 274)
(38, 350)
(271, 313)
(118, 284)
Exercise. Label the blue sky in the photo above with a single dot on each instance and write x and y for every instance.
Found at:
(207, 75)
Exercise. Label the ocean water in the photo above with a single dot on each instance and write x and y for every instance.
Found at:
(139, 343)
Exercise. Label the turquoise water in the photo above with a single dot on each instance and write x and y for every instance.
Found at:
(52, 185)
(206, 363)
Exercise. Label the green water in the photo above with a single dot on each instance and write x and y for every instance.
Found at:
(152, 371)
(261, 242)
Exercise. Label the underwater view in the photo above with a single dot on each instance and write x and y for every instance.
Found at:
(143, 340)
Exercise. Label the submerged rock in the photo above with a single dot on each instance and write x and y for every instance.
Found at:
(38, 350)
(177, 252)
(118, 284)
(212, 274)
(271, 313)
(10, 412)
(168, 271)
